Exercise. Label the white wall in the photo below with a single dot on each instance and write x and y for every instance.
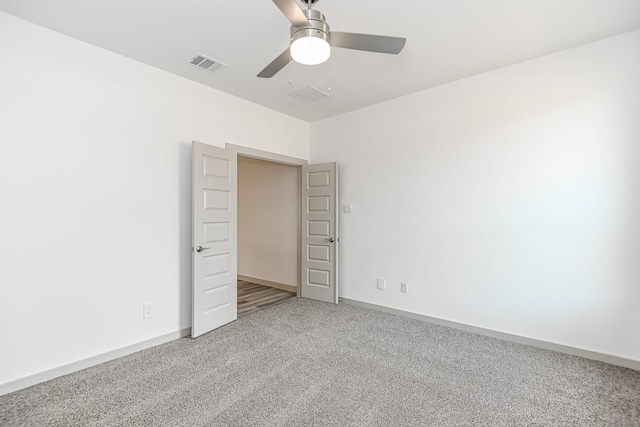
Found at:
(95, 194)
(268, 220)
(509, 200)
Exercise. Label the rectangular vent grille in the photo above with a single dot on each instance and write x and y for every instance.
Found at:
(206, 63)
(309, 94)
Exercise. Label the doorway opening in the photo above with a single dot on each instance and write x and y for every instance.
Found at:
(268, 233)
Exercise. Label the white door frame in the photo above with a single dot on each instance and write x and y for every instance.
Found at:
(266, 155)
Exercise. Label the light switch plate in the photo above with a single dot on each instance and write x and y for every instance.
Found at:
(347, 208)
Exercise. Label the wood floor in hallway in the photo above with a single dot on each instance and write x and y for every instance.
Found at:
(253, 297)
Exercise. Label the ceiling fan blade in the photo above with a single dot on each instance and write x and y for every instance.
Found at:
(368, 42)
(276, 65)
(292, 11)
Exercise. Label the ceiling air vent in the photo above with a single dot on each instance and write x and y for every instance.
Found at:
(206, 63)
(309, 94)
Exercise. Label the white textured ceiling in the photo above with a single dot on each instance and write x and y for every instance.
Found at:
(446, 41)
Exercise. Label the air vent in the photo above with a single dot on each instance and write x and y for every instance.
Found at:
(309, 94)
(206, 63)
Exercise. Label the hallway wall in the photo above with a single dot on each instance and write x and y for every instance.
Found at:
(268, 221)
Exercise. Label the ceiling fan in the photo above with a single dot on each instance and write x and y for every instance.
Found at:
(311, 39)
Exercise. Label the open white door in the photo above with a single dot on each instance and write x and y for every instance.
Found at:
(320, 232)
(214, 291)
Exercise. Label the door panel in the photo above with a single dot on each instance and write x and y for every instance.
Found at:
(214, 289)
(320, 232)
(318, 228)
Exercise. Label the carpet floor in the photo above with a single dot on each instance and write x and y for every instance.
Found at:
(307, 363)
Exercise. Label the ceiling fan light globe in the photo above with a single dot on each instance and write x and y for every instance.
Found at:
(310, 50)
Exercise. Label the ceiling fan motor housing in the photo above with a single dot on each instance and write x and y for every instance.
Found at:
(317, 27)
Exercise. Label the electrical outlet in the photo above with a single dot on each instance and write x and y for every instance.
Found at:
(381, 283)
(147, 310)
(404, 288)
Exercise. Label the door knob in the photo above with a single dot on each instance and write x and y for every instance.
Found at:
(330, 239)
(200, 249)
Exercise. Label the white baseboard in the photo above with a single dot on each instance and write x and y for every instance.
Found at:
(90, 361)
(277, 285)
(561, 348)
